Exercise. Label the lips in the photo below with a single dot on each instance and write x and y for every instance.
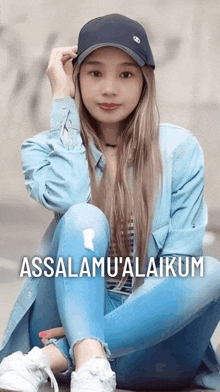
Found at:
(109, 105)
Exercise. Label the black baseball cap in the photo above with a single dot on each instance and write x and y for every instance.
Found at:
(115, 30)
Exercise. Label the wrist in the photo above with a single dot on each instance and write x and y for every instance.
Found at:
(61, 93)
(64, 99)
(56, 97)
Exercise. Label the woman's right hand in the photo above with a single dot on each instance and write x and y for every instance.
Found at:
(60, 71)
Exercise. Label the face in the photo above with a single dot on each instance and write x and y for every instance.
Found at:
(111, 83)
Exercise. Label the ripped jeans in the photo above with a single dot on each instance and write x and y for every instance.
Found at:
(155, 337)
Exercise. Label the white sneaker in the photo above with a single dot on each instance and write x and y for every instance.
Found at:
(95, 375)
(26, 372)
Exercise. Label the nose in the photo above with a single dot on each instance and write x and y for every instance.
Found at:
(109, 87)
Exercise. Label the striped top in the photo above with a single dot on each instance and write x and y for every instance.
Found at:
(113, 282)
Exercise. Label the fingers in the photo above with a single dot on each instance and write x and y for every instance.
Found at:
(51, 333)
(44, 341)
(74, 48)
(62, 54)
(60, 69)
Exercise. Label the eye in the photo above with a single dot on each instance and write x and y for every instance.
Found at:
(126, 75)
(95, 73)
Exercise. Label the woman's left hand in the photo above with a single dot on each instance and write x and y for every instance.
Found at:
(51, 333)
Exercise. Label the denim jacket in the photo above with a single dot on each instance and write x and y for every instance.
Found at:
(56, 175)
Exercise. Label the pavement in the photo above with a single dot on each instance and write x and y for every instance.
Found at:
(65, 388)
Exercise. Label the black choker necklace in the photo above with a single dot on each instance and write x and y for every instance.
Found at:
(111, 145)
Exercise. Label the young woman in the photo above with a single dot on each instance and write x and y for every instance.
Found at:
(120, 186)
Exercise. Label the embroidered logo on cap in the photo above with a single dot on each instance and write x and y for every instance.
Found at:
(136, 39)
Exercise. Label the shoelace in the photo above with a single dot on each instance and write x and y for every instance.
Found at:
(32, 366)
(49, 372)
(53, 380)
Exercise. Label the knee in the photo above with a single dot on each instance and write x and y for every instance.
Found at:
(83, 216)
(83, 227)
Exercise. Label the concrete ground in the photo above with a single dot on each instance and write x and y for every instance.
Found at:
(65, 388)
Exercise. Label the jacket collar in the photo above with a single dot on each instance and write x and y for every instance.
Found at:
(99, 158)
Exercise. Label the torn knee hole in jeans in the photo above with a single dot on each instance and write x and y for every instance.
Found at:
(103, 344)
(88, 236)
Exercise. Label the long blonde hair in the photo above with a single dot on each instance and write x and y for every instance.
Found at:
(139, 169)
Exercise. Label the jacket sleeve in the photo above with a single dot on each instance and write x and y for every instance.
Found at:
(55, 167)
(188, 212)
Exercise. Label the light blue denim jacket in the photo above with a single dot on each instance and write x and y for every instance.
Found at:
(56, 175)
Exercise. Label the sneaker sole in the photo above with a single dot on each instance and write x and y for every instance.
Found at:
(9, 390)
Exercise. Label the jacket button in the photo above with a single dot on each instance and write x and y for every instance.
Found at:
(29, 294)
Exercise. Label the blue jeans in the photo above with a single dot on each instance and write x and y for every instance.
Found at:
(155, 337)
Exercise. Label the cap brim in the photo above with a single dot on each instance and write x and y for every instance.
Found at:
(86, 52)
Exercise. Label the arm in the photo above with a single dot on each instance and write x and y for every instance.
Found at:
(188, 213)
(55, 168)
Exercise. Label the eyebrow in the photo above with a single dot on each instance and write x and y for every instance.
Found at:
(130, 64)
